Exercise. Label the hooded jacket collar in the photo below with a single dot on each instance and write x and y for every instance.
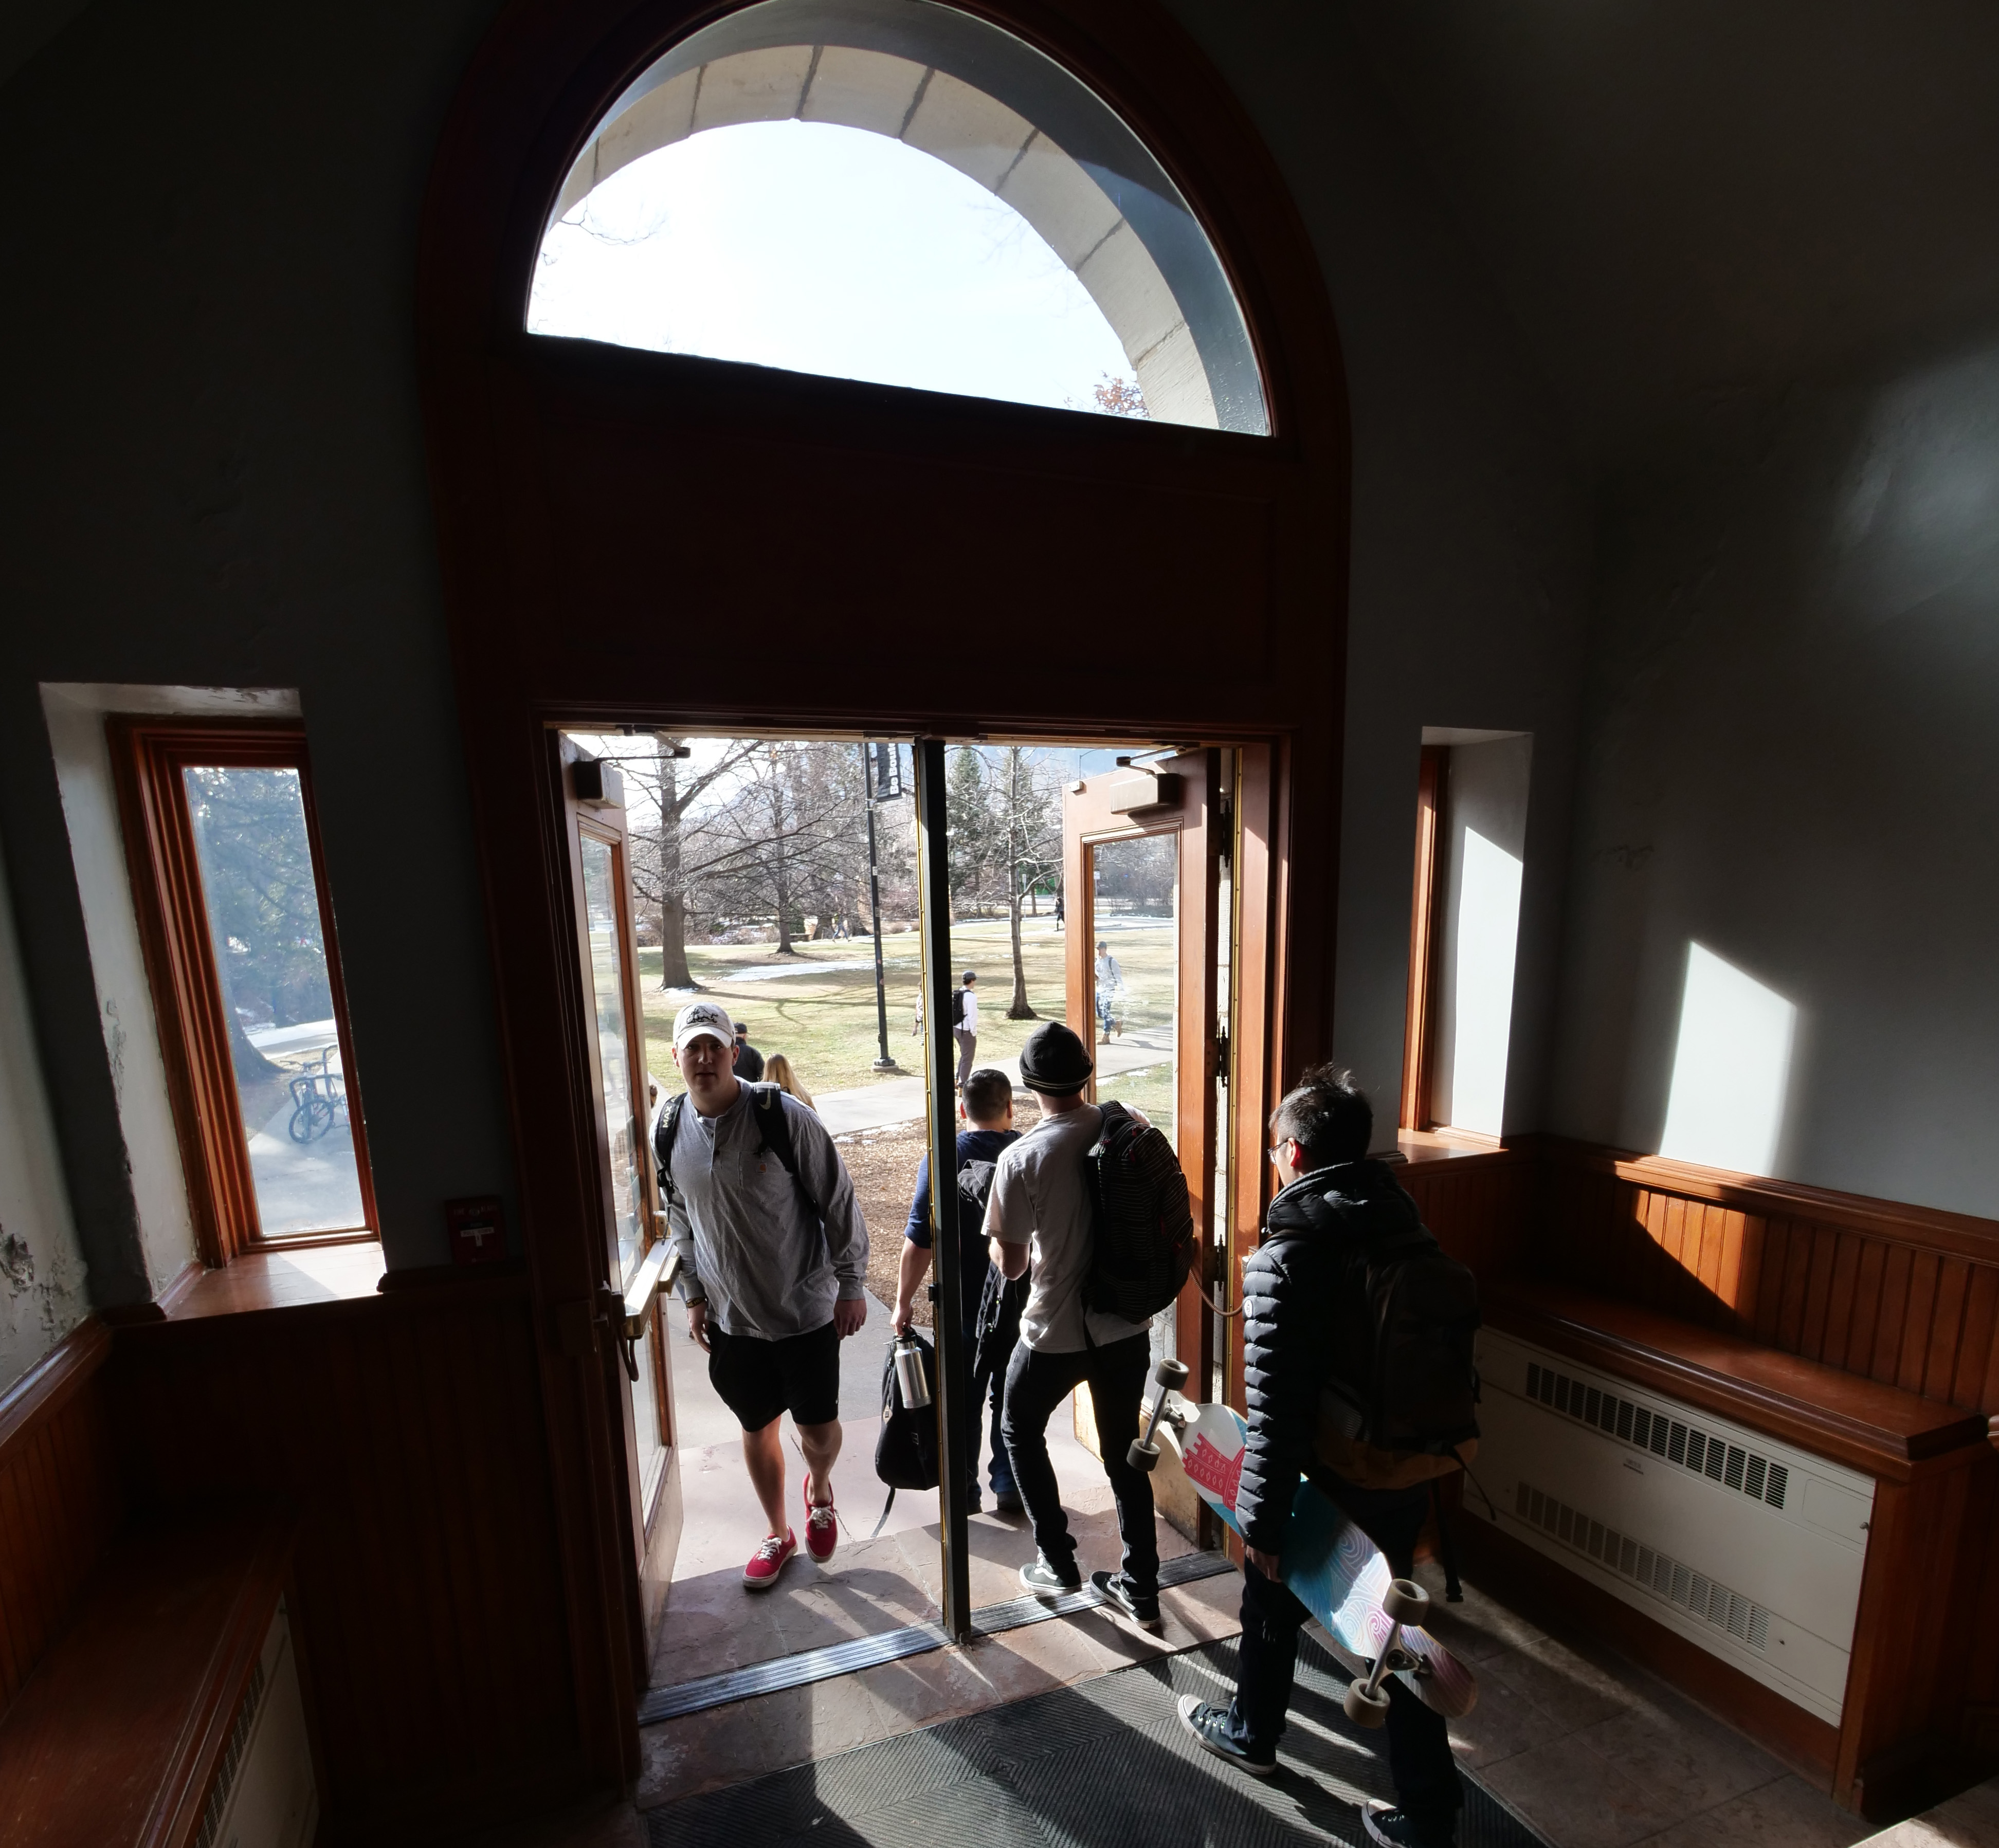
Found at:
(1357, 1200)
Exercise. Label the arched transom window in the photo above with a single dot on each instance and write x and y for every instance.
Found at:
(891, 190)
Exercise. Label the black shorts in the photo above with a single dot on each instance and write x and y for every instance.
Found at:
(757, 1379)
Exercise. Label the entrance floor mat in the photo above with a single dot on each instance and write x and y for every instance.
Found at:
(1103, 1764)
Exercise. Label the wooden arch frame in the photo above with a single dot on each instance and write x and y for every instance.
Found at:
(641, 538)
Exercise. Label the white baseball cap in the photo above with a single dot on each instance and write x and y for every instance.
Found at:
(703, 1017)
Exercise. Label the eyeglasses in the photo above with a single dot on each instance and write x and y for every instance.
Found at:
(1277, 1154)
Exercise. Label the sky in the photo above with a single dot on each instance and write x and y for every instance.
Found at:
(828, 250)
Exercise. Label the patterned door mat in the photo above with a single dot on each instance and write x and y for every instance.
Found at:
(1100, 1765)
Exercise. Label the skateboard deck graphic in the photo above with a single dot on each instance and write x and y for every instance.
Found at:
(1329, 1566)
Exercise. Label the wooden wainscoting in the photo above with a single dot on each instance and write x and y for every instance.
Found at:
(1483, 1203)
(1904, 1295)
(407, 1430)
(61, 1503)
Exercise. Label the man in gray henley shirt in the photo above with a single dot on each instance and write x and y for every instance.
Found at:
(773, 1269)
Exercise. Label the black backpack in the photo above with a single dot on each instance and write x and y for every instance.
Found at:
(975, 1193)
(1415, 1414)
(958, 1007)
(1145, 1245)
(772, 1125)
(905, 1452)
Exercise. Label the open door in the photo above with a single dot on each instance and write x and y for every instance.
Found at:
(1145, 864)
(638, 1381)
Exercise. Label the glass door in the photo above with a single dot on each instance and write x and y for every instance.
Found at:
(635, 1250)
(1147, 968)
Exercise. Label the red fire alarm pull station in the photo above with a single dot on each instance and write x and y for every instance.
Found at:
(478, 1231)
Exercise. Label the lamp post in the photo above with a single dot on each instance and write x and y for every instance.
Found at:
(872, 782)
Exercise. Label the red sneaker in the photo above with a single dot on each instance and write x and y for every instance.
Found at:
(767, 1561)
(821, 1529)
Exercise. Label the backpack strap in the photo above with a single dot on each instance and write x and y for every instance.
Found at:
(774, 1126)
(662, 1142)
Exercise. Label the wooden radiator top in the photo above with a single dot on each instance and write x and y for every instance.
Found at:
(1881, 1430)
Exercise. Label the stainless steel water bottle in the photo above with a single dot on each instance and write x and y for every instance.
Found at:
(911, 1380)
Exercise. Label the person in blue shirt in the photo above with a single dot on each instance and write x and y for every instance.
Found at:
(987, 1107)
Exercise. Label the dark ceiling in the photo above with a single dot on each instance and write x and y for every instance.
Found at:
(1686, 203)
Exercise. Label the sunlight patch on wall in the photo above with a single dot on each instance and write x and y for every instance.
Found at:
(1731, 1069)
(1488, 928)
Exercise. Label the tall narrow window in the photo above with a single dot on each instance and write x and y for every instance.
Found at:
(1470, 847)
(245, 972)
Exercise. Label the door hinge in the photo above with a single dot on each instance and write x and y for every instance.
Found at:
(1221, 1058)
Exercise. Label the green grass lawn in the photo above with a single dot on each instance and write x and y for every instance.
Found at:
(824, 1021)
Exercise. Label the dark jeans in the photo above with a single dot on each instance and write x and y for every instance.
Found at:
(988, 1394)
(1419, 1759)
(1036, 1384)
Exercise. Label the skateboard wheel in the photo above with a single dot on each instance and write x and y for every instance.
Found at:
(1171, 1373)
(1406, 1602)
(1143, 1456)
(1364, 1708)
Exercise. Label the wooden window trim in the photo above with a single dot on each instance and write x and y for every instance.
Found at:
(148, 756)
(1426, 942)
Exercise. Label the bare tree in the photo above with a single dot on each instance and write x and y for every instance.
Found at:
(782, 840)
(659, 873)
(1006, 836)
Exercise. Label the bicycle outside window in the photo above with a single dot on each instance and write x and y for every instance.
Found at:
(227, 881)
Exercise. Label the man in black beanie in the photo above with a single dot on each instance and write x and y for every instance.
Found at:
(1039, 1221)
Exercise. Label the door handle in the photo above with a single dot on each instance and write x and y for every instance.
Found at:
(632, 1312)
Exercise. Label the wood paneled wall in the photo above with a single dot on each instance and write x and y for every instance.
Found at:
(1483, 1208)
(59, 1498)
(1902, 1295)
(1897, 1294)
(407, 1432)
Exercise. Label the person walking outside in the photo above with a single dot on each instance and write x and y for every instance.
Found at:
(749, 1063)
(1110, 985)
(1040, 1224)
(965, 1025)
(1310, 1331)
(987, 1107)
(778, 1070)
(773, 1259)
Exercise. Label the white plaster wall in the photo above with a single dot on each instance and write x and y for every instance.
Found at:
(1468, 596)
(125, 1014)
(1794, 706)
(41, 1270)
(214, 449)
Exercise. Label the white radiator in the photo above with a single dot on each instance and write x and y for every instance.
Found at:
(1747, 1547)
(264, 1796)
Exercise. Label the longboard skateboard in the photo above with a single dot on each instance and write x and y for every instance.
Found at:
(1329, 1565)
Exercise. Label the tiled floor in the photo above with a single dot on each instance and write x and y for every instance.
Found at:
(1970, 1820)
(1596, 1752)
(1592, 1751)
(712, 1624)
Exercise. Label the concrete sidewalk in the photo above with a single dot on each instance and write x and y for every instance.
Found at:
(902, 1100)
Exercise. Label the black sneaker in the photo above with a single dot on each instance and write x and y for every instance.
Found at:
(1044, 1581)
(1210, 1727)
(1393, 1829)
(1008, 1501)
(1141, 1607)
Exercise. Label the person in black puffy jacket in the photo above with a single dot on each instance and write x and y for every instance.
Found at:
(1308, 1321)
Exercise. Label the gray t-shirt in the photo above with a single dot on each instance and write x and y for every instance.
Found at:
(1041, 1199)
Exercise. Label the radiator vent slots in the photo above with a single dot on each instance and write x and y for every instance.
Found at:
(1664, 1578)
(1691, 1448)
(232, 1759)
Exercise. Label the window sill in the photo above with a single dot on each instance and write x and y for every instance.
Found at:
(259, 1280)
